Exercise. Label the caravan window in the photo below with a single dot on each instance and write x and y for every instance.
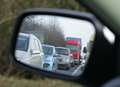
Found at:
(22, 43)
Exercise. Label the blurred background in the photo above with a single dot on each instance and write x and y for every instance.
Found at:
(11, 76)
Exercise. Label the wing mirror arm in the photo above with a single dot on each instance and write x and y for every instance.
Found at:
(31, 51)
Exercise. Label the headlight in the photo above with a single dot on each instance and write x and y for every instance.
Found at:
(66, 59)
(45, 65)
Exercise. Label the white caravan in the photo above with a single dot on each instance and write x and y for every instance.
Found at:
(29, 50)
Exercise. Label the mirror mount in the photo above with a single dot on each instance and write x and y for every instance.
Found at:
(31, 51)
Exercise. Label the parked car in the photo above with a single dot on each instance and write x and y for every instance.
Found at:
(49, 61)
(29, 49)
(64, 58)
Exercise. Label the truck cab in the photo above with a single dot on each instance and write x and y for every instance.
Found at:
(75, 49)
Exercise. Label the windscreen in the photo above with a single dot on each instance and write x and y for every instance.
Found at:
(47, 50)
(73, 48)
(62, 51)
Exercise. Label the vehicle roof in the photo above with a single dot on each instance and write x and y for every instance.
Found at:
(48, 45)
(24, 34)
(27, 35)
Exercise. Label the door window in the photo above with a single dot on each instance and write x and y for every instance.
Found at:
(36, 45)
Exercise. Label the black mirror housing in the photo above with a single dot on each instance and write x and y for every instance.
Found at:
(85, 78)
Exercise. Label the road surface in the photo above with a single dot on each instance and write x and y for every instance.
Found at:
(74, 71)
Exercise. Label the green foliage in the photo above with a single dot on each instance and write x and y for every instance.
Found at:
(5, 36)
(13, 7)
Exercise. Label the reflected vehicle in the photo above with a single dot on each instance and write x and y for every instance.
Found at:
(57, 45)
(84, 55)
(64, 58)
(74, 44)
(53, 26)
(29, 50)
(49, 60)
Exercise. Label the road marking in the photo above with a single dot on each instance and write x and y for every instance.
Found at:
(76, 70)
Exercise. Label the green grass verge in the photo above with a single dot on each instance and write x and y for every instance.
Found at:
(15, 82)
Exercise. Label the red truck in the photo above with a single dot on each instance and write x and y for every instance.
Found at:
(74, 44)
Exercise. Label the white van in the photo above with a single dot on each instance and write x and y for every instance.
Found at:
(29, 50)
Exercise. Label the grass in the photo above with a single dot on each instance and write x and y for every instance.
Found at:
(15, 82)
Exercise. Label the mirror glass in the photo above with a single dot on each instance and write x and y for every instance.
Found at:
(54, 43)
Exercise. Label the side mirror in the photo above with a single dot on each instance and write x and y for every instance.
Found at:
(71, 55)
(52, 29)
(55, 55)
(85, 50)
(32, 52)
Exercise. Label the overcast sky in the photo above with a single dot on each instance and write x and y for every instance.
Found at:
(77, 28)
(71, 27)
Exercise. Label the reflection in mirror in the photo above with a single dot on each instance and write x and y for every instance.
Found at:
(84, 50)
(56, 44)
